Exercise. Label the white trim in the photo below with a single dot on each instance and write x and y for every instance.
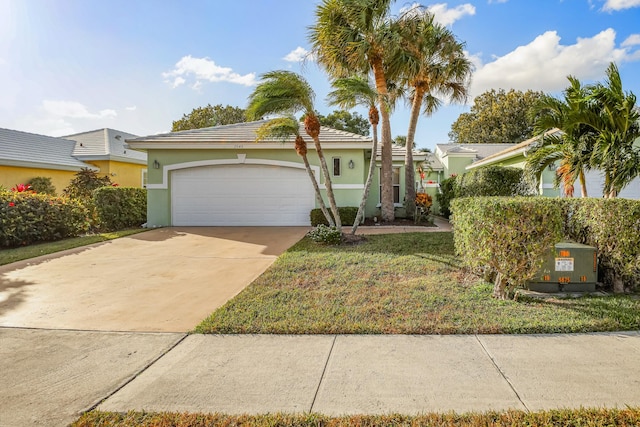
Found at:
(344, 186)
(547, 186)
(244, 145)
(52, 166)
(241, 159)
(505, 156)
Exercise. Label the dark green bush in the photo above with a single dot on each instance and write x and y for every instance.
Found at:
(42, 185)
(508, 236)
(446, 195)
(83, 184)
(493, 181)
(612, 226)
(120, 207)
(27, 218)
(347, 216)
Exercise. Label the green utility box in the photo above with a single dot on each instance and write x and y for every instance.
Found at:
(571, 267)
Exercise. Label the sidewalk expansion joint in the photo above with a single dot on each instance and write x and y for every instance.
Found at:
(502, 373)
(324, 370)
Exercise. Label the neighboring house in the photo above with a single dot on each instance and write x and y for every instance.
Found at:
(222, 176)
(104, 148)
(24, 156)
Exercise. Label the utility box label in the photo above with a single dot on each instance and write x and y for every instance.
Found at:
(564, 264)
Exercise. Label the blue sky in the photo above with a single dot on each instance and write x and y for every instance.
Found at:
(69, 66)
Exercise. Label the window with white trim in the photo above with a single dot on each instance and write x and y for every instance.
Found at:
(337, 166)
(396, 185)
(144, 178)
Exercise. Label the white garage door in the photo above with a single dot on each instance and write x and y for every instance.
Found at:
(241, 195)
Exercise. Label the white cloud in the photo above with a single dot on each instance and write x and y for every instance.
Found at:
(544, 64)
(441, 11)
(74, 110)
(632, 40)
(611, 5)
(299, 54)
(132, 108)
(204, 69)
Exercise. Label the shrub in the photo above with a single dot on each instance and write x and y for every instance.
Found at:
(493, 181)
(347, 216)
(42, 185)
(27, 218)
(508, 236)
(612, 226)
(326, 235)
(120, 207)
(446, 195)
(83, 184)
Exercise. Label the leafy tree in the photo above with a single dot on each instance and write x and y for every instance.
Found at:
(401, 140)
(285, 92)
(355, 37)
(203, 117)
(346, 121)
(497, 117)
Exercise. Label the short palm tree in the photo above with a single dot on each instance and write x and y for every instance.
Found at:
(348, 93)
(283, 128)
(285, 92)
(355, 36)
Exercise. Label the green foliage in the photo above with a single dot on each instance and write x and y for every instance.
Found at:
(27, 218)
(496, 117)
(508, 236)
(446, 195)
(83, 184)
(613, 227)
(120, 207)
(347, 216)
(493, 181)
(43, 185)
(203, 117)
(326, 235)
(346, 121)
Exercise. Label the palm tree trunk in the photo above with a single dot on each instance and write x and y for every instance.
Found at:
(367, 185)
(583, 184)
(316, 188)
(409, 171)
(386, 174)
(327, 183)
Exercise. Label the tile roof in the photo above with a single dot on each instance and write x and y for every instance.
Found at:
(399, 152)
(240, 133)
(480, 150)
(105, 144)
(25, 149)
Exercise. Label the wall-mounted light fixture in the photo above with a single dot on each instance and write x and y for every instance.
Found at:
(156, 164)
(351, 164)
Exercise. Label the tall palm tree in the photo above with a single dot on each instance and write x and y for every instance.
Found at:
(616, 120)
(355, 36)
(435, 68)
(285, 92)
(283, 128)
(565, 138)
(348, 93)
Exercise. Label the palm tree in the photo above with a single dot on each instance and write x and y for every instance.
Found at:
(616, 120)
(355, 36)
(286, 92)
(283, 128)
(435, 67)
(348, 93)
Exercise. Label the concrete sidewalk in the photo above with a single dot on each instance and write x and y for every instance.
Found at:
(381, 374)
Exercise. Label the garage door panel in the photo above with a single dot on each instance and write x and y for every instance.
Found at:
(241, 195)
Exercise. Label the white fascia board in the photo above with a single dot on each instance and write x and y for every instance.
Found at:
(505, 156)
(53, 166)
(242, 145)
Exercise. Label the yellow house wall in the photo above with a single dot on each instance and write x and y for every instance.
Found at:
(123, 174)
(10, 176)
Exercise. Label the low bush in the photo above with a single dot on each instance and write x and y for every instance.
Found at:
(325, 235)
(493, 181)
(120, 207)
(347, 216)
(612, 226)
(508, 236)
(26, 218)
(83, 184)
(42, 185)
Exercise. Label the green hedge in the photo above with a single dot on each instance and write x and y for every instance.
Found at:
(506, 236)
(27, 218)
(493, 181)
(446, 195)
(120, 207)
(347, 216)
(613, 227)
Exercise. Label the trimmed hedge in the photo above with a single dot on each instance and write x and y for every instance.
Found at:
(446, 195)
(492, 181)
(120, 207)
(347, 216)
(613, 227)
(27, 218)
(506, 236)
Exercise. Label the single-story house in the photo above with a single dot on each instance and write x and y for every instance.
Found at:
(24, 156)
(222, 176)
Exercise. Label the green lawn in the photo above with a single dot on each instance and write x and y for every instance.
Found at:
(574, 418)
(8, 256)
(400, 284)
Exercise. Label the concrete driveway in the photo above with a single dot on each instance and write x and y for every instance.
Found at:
(163, 280)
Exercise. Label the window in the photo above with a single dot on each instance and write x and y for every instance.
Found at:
(396, 185)
(144, 178)
(336, 166)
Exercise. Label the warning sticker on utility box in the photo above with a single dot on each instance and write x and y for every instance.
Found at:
(564, 264)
